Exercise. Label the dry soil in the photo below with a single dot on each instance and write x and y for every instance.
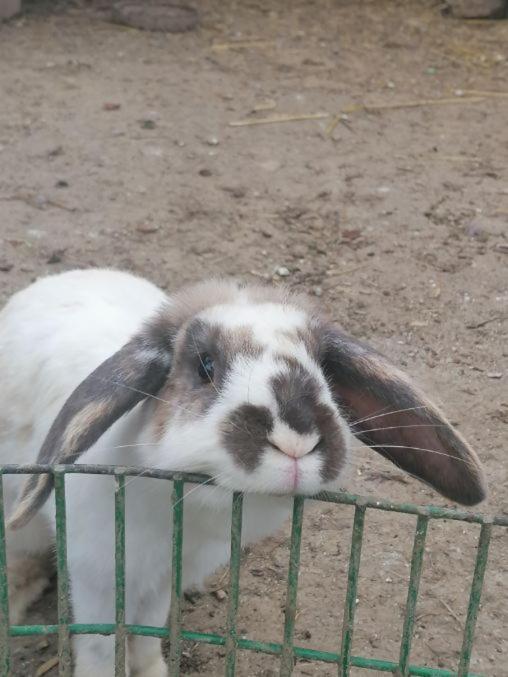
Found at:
(117, 148)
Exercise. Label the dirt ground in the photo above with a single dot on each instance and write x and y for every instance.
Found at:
(117, 148)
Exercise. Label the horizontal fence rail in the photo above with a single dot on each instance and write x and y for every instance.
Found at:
(288, 653)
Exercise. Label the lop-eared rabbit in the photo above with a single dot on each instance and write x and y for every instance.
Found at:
(252, 385)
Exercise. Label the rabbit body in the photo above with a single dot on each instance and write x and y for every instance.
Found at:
(52, 335)
(249, 384)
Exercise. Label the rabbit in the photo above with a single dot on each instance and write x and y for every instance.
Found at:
(250, 384)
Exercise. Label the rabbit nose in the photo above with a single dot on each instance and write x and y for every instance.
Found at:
(290, 442)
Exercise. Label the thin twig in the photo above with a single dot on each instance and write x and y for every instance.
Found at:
(458, 158)
(451, 612)
(338, 273)
(335, 121)
(47, 666)
(30, 200)
(279, 118)
(484, 322)
(417, 103)
(479, 92)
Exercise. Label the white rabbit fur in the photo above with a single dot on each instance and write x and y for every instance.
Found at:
(52, 336)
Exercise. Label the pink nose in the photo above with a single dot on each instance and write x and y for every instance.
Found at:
(291, 443)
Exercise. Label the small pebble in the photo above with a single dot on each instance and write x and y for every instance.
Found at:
(111, 106)
(55, 152)
(56, 256)
(35, 233)
(257, 572)
(220, 595)
(213, 141)
(147, 228)
(40, 201)
(495, 374)
(282, 271)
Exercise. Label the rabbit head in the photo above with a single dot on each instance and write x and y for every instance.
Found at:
(254, 386)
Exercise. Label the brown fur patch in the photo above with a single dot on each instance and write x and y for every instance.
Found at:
(190, 301)
(297, 394)
(245, 434)
(185, 395)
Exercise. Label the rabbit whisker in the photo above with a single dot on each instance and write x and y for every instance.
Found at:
(396, 427)
(405, 446)
(386, 413)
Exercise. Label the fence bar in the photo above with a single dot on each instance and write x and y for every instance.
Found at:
(352, 587)
(175, 613)
(120, 576)
(412, 593)
(474, 598)
(64, 642)
(270, 648)
(341, 497)
(286, 650)
(5, 658)
(287, 656)
(234, 583)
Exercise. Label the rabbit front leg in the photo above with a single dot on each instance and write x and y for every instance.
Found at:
(91, 538)
(93, 598)
(145, 653)
(94, 656)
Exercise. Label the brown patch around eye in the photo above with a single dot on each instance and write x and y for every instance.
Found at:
(244, 434)
(185, 395)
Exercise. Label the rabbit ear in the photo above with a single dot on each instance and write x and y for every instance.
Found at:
(135, 372)
(392, 417)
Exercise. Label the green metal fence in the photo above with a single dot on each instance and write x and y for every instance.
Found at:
(287, 651)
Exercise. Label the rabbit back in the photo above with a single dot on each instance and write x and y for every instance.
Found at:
(54, 333)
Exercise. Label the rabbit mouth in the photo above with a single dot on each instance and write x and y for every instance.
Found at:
(282, 475)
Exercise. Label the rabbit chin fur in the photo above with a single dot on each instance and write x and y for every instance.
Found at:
(85, 348)
(52, 335)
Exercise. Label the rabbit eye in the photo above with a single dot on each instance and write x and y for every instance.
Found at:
(205, 368)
